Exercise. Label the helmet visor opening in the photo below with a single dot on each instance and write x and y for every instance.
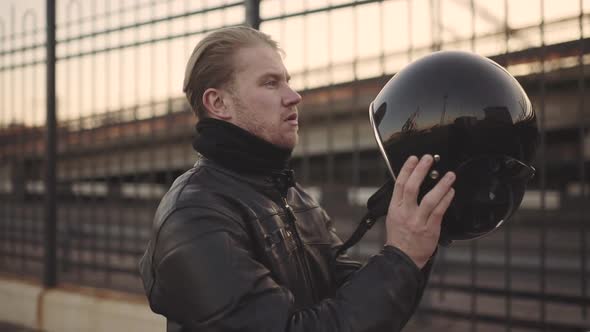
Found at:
(489, 189)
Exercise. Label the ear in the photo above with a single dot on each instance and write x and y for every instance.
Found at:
(215, 104)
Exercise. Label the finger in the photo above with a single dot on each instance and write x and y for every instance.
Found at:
(402, 177)
(438, 213)
(412, 185)
(435, 195)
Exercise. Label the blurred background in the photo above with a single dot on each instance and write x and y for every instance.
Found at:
(77, 195)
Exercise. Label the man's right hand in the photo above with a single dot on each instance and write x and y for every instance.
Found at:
(414, 228)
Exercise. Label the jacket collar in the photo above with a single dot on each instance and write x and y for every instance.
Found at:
(275, 181)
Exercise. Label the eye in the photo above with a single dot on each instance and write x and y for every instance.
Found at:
(271, 83)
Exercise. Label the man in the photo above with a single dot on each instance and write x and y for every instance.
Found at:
(237, 245)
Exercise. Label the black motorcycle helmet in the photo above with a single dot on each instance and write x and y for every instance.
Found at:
(476, 120)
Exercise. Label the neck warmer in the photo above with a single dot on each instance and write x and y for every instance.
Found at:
(237, 149)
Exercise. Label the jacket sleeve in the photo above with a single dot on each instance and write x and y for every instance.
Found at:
(206, 279)
(343, 266)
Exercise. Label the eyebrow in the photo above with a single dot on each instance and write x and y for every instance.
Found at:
(275, 75)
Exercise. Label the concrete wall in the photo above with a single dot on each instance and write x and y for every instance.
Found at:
(75, 309)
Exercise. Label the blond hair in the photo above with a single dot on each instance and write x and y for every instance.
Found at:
(211, 65)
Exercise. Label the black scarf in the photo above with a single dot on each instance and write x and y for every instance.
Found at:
(239, 150)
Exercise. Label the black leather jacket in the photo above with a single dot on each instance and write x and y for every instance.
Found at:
(243, 253)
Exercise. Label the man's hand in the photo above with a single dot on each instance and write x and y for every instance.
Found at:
(414, 228)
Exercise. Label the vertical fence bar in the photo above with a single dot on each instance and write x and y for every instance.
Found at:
(136, 132)
(473, 244)
(70, 225)
(305, 155)
(172, 114)
(357, 156)
(114, 177)
(308, 165)
(507, 226)
(17, 169)
(99, 231)
(582, 163)
(410, 31)
(20, 234)
(435, 24)
(20, 157)
(92, 136)
(442, 252)
(354, 160)
(543, 172)
(104, 130)
(5, 187)
(329, 120)
(39, 153)
(253, 13)
(117, 180)
(382, 38)
(28, 221)
(355, 60)
(50, 270)
(151, 176)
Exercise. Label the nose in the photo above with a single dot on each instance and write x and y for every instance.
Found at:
(291, 97)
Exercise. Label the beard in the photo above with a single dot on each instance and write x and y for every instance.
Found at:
(246, 120)
(244, 117)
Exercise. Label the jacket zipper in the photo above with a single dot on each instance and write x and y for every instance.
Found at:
(307, 271)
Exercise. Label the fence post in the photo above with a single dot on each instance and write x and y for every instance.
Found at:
(253, 13)
(50, 234)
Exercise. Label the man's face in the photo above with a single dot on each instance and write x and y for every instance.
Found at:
(261, 100)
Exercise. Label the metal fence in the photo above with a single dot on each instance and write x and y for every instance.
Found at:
(123, 134)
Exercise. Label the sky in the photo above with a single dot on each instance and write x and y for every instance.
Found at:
(322, 48)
